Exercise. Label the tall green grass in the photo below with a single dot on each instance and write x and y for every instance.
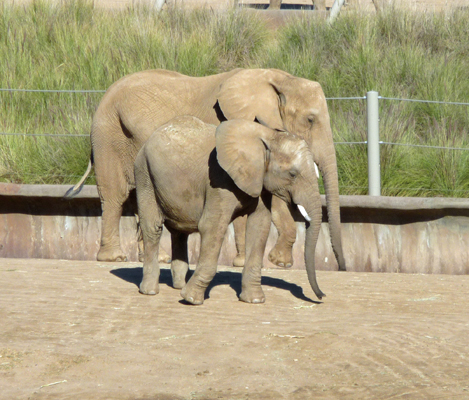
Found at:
(75, 46)
(399, 53)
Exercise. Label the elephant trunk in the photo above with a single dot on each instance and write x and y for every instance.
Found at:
(310, 208)
(328, 166)
(311, 239)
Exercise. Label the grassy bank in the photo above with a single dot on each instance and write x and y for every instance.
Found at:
(400, 54)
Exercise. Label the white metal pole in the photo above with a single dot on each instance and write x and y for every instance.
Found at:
(158, 5)
(335, 9)
(374, 168)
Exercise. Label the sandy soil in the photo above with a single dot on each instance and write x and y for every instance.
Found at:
(81, 330)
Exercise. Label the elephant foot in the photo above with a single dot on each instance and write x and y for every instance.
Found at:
(179, 284)
(239, 260)
(111, 254)
(179, 281)
(281, 256)
(179, 277)
(193, 295)
(252, 295)
(149, 285)
(164, 257)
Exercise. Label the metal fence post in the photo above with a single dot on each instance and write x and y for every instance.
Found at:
(374, 169)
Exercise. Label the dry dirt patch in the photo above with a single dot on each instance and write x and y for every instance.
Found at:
(81, 330)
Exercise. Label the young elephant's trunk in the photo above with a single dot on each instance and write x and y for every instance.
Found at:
(309, 204)
(312, 234)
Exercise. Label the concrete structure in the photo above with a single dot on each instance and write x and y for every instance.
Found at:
(424, 5)
(428, 5)
(380, 234)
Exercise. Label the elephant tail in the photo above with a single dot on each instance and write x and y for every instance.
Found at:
(74, 190)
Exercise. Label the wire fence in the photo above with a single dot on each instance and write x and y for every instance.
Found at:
(378, 142)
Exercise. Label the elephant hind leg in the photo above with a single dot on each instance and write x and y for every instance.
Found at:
(180, 259)
(163, 257)
(281, 254)
(110, 249)
(151, 223)
(151, 268)
(113, 190)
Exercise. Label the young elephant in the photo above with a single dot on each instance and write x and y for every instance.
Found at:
(191, 176)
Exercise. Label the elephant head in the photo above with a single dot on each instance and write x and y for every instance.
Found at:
(281, 101)
(258, 158)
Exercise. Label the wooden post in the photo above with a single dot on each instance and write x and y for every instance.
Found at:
(319, 5)
(275, 4)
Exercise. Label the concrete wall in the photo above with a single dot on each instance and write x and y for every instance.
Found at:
(380, 234)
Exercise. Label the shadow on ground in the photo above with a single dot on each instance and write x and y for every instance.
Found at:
(233, 279)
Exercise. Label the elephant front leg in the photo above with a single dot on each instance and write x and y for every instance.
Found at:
(257, 232)
(281, 254)
(212, 230)
(239, 226)
(180, 259)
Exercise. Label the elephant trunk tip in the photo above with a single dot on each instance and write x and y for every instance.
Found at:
(319, 295)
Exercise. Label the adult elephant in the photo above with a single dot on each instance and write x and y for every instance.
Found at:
(137, 104)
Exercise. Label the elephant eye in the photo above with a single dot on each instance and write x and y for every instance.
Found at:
(293, 172)
(311, 119)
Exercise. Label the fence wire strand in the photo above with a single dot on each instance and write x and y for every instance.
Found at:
(75, 91)
(425, 146)
(51, 91)
(452, 103)
(57, 135)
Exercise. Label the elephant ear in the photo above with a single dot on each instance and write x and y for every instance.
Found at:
(253, 94)
(242, 152)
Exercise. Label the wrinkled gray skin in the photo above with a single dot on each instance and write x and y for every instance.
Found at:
(134, 106)
(192, 178)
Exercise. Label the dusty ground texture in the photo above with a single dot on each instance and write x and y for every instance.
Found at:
(73, 330)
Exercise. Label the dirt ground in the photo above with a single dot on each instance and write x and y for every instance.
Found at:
(81, 330)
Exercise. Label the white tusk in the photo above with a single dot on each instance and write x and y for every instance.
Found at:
(317, 169)
(304, 213)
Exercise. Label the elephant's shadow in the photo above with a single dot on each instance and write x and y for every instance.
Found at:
(233, 279)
